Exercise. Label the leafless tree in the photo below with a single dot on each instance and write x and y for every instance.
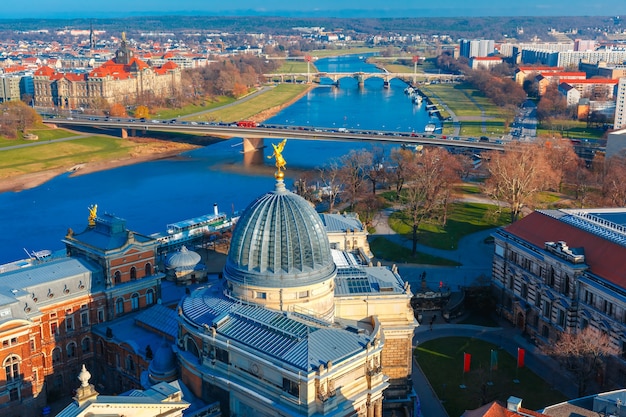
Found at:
(377, 172)
(332, 185)
(583, 354)
(399, 158)
(561, 158)
(354, 168)
(613, 185)
(429, 180)
(517, 175)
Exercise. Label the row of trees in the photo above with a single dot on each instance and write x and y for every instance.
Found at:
(16, 117)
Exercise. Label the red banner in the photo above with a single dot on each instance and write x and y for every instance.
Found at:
(467, 359)
(520, 357)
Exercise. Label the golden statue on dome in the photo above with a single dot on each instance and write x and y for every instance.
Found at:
(93, 213)
(280, 161)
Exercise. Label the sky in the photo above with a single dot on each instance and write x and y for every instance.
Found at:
(315, 8)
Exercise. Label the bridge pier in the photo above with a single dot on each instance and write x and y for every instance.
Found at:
(124, 133)
(385, 84)
(252, 144)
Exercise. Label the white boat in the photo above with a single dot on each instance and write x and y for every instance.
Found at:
(417, 99)
(430, 127)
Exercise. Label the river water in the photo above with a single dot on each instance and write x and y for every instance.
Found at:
(152, 194)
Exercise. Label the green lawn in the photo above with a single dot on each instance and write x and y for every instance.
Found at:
(193, 108)
(441, 361)
(279, 95)
(463, 219)
(390, 251)
(63, 154)
(290, 67)
(43, 134)
(572, 129)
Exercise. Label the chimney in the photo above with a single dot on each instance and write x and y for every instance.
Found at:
(514, 404)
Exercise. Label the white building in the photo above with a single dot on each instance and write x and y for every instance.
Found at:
(620, 105)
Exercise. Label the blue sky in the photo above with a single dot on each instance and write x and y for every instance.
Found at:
(327, 8)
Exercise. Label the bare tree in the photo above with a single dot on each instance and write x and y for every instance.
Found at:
(330, 177)
(430, 177)
(613, 184)
(561, 157)
(400, 158)
(377, 172)
(353, 173)
(517, 175)
(583, 354)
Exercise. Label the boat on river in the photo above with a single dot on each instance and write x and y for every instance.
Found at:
(430, 127)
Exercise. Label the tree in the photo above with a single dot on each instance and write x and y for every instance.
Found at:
(517, 175)
(330, 177)
(353, 173)
(613, 184)
(430, 177)
(117, 110)
(561, 158)
(377, 172)
(583, 354)
(399, 158)
(142, 112)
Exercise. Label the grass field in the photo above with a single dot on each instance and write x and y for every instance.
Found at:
(43, 134)
(63, 154)
(441, 361)
(390, 251)
(295, 66)
(279, 95)
(463, 219)
(572, 129)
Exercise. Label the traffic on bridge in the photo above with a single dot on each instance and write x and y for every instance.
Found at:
(253, 130)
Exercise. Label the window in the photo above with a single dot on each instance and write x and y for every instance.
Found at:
(291, 387)
(537, 299)
(56, 355)
(133, 273)
(54, 329)
(100, 316)
(148, 270)
(134, 301)
(551, 278)
(149, 297)
(119, 306)
(130, 364)
(69, 323)
(86, 345)
(261, 295)
(71, 350)
(12, 369)
(524, 292)
(567, 284)
(221, 355)
(303, 294)
(118, 277)
(547, 309)
(561, 318)
(84, 319)
(14, 394)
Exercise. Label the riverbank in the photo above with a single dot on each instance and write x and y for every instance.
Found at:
(152, 149)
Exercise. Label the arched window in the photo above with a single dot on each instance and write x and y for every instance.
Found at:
(71, 350)
(133, 273)
(118, 277)
(149, 297)
(119, 306)
(134, 301)
(191, 347)
(12, 368)
(56, 355)
(86, 345)
(130, 364)
(100, 347)
(148, 270)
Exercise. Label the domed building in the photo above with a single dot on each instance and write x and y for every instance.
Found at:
(296, 329)
(182, 266)
(163, 366)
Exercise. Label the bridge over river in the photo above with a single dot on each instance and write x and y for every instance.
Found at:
(408, 77)
(253, 136)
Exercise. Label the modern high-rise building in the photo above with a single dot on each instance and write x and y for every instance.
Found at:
(620, 105)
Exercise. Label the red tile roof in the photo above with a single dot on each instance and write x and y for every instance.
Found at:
(495, 409)
(605, 258)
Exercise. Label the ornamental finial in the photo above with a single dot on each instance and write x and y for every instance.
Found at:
(93, 213)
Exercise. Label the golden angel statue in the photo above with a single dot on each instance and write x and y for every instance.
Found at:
(278, 155)
(93, 213)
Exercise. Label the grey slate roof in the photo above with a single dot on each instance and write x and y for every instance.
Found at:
(25, 290)
(340, 222)
(280, 335)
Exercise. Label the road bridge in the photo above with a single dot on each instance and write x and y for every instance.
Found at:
(253, 136)
(408, 77)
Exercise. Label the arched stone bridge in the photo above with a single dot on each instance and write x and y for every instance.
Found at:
(407, 77)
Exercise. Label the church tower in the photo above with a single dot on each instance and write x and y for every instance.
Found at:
(124, 54)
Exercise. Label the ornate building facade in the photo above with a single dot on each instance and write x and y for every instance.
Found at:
(122, 79)
(561, 271)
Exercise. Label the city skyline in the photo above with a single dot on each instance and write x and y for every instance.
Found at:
(321, 8)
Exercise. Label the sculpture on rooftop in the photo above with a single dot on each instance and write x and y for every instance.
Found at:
(280, 161)
(93, 213)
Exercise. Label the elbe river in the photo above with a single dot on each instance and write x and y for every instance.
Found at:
(153, 194)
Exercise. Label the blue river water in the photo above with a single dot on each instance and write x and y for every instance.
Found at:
(150, 195)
